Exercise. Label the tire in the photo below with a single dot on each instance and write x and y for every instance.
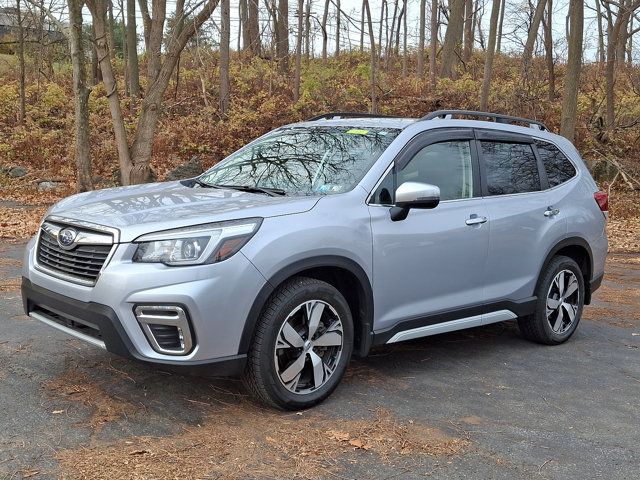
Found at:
(281, 341)
(560, 293)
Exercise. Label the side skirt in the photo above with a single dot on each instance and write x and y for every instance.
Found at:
(450, 321)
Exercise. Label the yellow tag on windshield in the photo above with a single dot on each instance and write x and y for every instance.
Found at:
(357, 131)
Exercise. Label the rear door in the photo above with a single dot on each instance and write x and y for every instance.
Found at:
(523, 219)
(433, 262)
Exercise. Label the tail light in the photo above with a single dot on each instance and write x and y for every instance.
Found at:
(602, 199)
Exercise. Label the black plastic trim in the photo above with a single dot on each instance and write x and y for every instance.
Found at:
(114, 336)
(570, 242)
(365, 335)
(519, 307)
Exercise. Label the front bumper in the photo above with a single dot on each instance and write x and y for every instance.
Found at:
(109, 332)
(217, 298)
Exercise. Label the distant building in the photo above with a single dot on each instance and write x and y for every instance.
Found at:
(9, 24)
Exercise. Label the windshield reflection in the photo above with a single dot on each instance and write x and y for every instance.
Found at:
(305, 160)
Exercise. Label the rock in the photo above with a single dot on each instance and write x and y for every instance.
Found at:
(603, 171)
(187, 170)
(47, 185)
(17, 172)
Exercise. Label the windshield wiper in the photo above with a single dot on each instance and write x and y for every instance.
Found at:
(272, 192)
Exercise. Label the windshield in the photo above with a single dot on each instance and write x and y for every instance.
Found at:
(304, 160)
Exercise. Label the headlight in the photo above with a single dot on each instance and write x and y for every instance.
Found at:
(207, 243)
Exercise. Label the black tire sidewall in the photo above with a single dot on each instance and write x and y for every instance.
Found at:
(558, 264)
(280, 308)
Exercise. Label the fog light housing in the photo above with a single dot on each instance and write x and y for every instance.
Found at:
(166, 328)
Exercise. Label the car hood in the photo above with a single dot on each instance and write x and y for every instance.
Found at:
(141, 209)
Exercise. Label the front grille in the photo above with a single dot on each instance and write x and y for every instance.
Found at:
(83, 262)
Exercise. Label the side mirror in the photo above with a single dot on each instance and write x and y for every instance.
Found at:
(414, 195)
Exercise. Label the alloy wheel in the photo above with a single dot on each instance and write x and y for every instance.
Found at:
(563, 301)
(308, 347)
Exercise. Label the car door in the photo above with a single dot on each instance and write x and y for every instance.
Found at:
(523, 219)
(429, 268)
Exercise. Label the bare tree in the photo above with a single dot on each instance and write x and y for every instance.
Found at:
(574, 67)
(433, 50)
(323, 27)
(531, 36)
(405, 67)
(225, 38)
(252, 26)
(548, 47)
(22, 110)
(372, 41)
(337, 52)
(614, 39)
(422, 14)
(282, 35)
(81, 98)
(469, 11)
(296, 77)
(132, 49)
(601, 48)
(488, 59)
(500, 25)
(134, 162)
(452, 39)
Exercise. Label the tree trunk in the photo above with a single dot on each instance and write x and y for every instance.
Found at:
(488, 59)
(500, 24)
(22, 109)
(361, 27)
(574, 67)
(243, 9)
(405, 67)
(307, 31)
(372, 76)
(601, 49)
(383, 8)
(81, 98)
(99, 14)
(548, 46)
(96, 74)
(323, 26)
(531, 37)
(132, 50)
(338, 16)
(282, 36)
(110, 31)
(225, 38)
(433, 51)
(296, 77)
(468, 30)
(253, 27)
(421, 33)
(452, 39)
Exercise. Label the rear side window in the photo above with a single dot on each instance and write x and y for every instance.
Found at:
(558, 167)
(510, 168)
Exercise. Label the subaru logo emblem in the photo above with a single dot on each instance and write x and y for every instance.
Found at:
(67, 237)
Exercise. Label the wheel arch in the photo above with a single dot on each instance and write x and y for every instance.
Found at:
(344, 274)
(579, 250)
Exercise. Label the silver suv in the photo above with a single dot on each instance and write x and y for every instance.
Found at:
(322, 239)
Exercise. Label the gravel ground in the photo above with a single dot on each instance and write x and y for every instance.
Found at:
(482, 403)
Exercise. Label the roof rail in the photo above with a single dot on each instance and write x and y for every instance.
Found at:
(499, 118)
(336, 115)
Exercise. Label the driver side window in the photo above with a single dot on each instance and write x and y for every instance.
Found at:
(447, 165)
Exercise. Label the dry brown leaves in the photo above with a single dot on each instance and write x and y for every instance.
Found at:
(245, 441)
(624, 234)
(18, 223)
(76, 386)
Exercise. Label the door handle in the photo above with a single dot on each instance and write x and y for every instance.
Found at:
(475, 220)
(550, 212)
